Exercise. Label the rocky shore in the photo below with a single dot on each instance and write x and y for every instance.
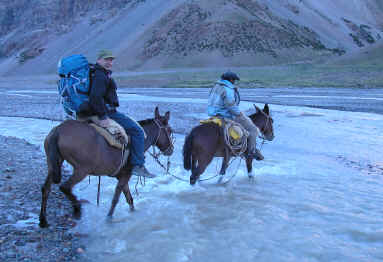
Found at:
(22, 172)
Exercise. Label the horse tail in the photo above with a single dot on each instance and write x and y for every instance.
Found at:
(54, 159)
(187, 150)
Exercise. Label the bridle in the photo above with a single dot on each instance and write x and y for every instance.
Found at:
(268, 119)
(263, 129)
(170, 136)
(171, 140)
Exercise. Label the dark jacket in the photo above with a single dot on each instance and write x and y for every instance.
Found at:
(103, 93)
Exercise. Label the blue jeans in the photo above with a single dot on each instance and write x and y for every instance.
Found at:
(135, 131)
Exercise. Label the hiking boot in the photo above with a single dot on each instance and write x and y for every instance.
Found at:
(141, 171)
(257, 155)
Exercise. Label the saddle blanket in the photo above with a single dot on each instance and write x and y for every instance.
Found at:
(114, 134)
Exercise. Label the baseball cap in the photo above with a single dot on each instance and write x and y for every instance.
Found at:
(102, 54)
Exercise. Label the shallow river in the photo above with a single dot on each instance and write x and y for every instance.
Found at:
(316, 197)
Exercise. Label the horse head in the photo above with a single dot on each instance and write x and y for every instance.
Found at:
(264, 121)
(164, 140)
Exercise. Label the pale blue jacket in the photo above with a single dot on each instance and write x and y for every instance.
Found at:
(224, 100)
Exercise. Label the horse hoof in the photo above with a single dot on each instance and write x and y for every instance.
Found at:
(77, 214)
(132, 209)
(43, 224)
(259, 158)
(220, 179)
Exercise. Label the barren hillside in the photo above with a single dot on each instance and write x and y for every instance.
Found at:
(152, 34)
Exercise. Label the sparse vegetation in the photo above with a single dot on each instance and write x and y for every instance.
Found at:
(363, 73)
(29, 54)
(24, 56)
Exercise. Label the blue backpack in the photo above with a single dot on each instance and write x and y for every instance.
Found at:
(75, 82)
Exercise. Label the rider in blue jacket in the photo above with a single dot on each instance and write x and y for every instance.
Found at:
(224, 101)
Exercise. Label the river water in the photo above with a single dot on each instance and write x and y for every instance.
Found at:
(317, 196)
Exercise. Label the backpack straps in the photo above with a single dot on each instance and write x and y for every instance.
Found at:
(92, 71)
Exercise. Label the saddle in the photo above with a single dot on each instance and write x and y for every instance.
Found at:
(114, 134)
(235, 135)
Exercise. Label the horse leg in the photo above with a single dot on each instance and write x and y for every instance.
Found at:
(203, 162)
(116, 197)
(45, 190)
(225, 163)
(66, 188)
(128, 196)
(249, 165)
(122, 182)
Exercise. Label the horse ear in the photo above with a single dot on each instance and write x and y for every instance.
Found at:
(167, 116)
(266, 109)
(156, 113)
(256, 109)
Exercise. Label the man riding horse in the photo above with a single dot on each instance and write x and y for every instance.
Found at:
(224, 102)
(103, 102)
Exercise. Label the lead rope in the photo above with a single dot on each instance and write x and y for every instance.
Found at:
(156, 158)
(167, 168)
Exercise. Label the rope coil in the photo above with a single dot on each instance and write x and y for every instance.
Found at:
(236, 148)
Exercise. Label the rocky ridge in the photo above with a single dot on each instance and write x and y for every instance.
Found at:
(183, 33)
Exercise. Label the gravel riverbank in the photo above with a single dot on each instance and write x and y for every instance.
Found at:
(23, 171)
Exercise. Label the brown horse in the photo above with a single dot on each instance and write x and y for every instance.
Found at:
(206, 141)
(89, 154)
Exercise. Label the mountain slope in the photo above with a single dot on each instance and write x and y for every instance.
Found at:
(184, 33)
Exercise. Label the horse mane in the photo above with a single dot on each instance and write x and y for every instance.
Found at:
(253, 115)
(146, 121)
